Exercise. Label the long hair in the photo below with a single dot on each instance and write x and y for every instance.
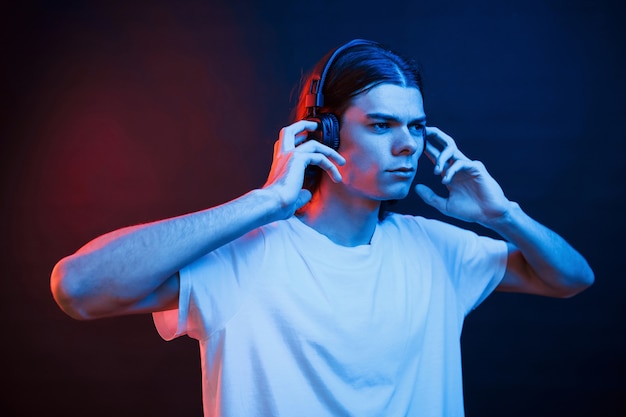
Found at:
(356, 70)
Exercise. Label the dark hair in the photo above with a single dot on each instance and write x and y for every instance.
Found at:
(354, 71)
(357, 70)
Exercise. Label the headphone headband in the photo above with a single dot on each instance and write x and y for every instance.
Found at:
(315, 98)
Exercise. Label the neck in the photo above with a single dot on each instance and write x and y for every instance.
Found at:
(347, 222)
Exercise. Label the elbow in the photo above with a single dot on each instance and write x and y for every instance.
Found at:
(579, 282)
(68, 289)
(588, 277)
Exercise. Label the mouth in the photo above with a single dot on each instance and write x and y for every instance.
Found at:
(402, 171)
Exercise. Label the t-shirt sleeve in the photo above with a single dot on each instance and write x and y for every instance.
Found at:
(481, 268)
(212, 289)
(174, 323)
(476, 264)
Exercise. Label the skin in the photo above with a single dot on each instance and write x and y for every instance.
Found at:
(381, 138)
(135, 269)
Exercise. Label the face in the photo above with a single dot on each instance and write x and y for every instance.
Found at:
(381, 139)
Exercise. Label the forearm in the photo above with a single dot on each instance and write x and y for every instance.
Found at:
(127, 265)
(548, 264)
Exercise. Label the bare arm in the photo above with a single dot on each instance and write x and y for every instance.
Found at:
(539, 260)
(126, 271)
(135, 269)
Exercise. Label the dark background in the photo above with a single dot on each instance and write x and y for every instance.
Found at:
(115, 114)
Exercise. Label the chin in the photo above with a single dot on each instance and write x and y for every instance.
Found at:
(395, 195)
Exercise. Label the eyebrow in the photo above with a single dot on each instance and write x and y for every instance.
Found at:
(393, 118)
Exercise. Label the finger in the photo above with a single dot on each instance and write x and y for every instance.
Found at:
(431, 152)
(317, 147)
(327, 165)
(287, 135)
(442, 147)
(453, 169)
(449, 151)
(430, 197)
(439, 137)
(304, 196)
(460, 155)
(300, 138)
(445, 159)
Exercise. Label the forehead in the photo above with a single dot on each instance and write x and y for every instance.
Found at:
(402, 102)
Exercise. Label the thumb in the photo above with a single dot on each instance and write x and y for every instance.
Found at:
(430, 197)
(303, 197)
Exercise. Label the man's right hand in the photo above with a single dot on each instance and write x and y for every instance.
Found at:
(292, 154)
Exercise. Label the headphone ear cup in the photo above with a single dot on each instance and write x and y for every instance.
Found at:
(327, 131)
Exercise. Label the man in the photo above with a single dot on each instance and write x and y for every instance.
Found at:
(314, 301)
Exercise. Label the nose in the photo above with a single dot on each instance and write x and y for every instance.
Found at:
(406, 143)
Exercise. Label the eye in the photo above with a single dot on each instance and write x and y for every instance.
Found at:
(417, 129)
(380, 126)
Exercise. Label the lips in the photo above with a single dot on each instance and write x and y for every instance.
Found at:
(402, 169)
(404, 173)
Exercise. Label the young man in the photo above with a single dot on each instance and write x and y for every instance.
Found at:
(313, 301)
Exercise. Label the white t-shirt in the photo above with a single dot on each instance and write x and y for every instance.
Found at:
(291, 324)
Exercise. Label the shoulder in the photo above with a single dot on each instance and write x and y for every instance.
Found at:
(418, 224)
(435, 233)
(259, 241)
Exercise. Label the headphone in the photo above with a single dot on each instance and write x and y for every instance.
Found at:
(327, 131)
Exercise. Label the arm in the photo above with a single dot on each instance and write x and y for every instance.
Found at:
(135, 269)
(539, 260)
